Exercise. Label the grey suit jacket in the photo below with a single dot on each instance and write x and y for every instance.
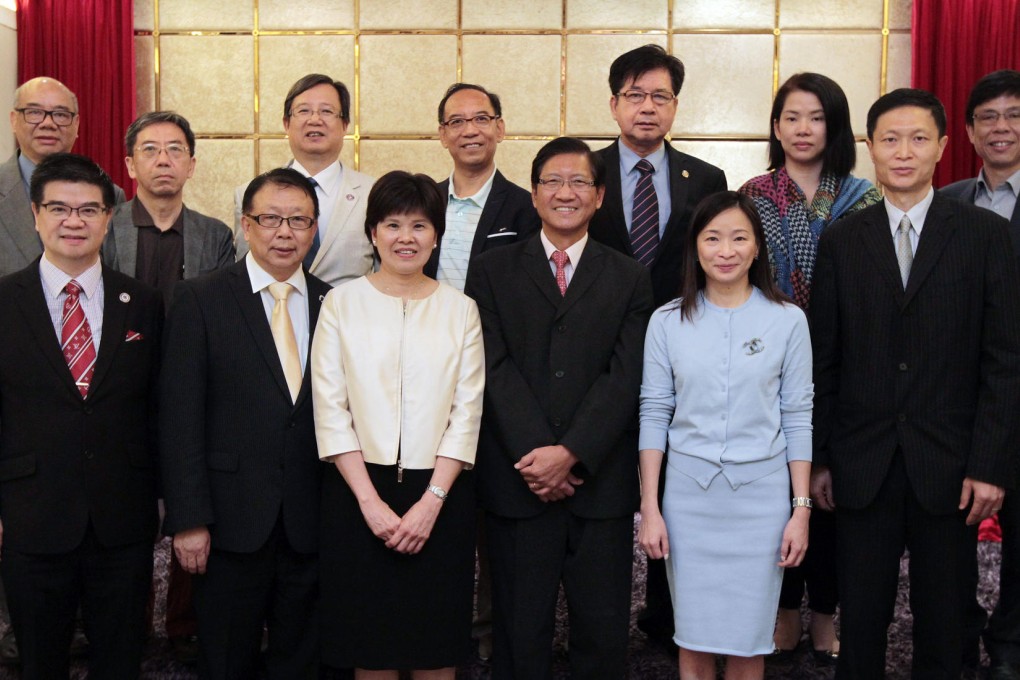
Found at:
(345, 252)
(19, 242)
(965, 189)
(208, 243)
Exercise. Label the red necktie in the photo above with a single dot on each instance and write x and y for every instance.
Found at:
(76, 339)
(644, 225)
(561, 259)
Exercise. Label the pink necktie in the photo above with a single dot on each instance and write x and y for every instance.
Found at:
(561, 259)
(76, 339)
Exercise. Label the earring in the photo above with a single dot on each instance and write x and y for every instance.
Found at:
(373, 242)
(434, 246)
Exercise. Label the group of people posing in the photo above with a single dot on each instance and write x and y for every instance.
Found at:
(793, 383)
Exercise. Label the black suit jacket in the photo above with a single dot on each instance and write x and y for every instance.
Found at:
(965, 190)
(66, 461)
(561, 370)
(508, 217)
(934, 370)
(236, 452)
(690, 181)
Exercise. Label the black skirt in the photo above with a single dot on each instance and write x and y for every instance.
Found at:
(385, 610)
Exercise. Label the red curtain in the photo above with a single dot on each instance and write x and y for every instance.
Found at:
(954, 44)
(89, 46)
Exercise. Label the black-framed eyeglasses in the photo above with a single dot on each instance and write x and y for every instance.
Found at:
(174, 150)
(34, 116)
(482, 121)
(659, 97)
(271, 221)
(86, 213)
(554, 184)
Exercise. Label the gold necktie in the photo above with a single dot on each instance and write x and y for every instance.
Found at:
(283, 336)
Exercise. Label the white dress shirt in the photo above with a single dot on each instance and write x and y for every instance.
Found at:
(573, 255)
(917, 215)
(91, 298)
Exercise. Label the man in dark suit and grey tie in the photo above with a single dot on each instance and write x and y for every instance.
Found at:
(563, 319)
(651, 192)
(993, 125)
(79, 357)
(240, 468)
(155, 237)
(915, 314)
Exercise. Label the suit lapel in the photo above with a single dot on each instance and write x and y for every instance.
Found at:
(537, 265)
(585, 274)
(254, 314)
(878, 241)
(193, 246)
(678, 187)
(938, 227)
(37, 319)
(115, 307)
(316, 293)
(488, 222)
(612, 202)
(16, 210)
(342, 209)
(126, 238)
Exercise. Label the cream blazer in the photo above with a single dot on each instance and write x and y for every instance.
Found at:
(386, 380)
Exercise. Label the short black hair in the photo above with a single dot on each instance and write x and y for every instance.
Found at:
(840, 151)
(288, 177)
(313, 80)
(568, 145)
(907, 96)
(1005, 82)
(399, 193)
(152, 118)
(759, 275)
(70, 167)
(457, 87)
(630, 66)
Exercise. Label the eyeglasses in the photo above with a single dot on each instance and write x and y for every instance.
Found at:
(173, 150)
(659, 97)
(86, 213)
(992, 117)
(554, 184)
(34, 116)
(304, 113)
(482, 121)
(271, 221)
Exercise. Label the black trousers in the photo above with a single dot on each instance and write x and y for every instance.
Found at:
(241, 593)
(870, 543)
(111, 584)
(529, 558)
(818, 570)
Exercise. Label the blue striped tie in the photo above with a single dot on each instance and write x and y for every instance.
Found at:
(644, 225)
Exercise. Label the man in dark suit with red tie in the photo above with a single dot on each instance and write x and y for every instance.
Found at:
(915, 313)
(79, 351)
(241, 471)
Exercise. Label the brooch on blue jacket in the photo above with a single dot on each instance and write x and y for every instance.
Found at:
(754, 346)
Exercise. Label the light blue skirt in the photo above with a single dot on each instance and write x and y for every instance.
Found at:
(724, 547)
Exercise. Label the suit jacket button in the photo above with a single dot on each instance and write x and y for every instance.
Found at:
(88, 454)
(87, 410)
(562, 328)
(292, 424)
(902, 417)
(556, 422)
(903, 366)
(558, 374)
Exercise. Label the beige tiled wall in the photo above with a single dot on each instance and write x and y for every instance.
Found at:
(226, 66)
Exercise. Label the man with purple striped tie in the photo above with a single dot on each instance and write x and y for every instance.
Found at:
(651, 192)
(79, 350)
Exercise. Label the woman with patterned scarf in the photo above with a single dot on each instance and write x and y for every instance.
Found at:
(811, 153)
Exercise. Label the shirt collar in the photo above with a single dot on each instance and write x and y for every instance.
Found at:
(328, 179)
(1013, 181)
(628, 159)
(916, 214)
(260, 278)
(573, 252)
(141, 217)
(54, 279)
(27, 168)
(480, 196)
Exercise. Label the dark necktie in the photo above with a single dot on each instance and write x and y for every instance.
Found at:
(313, 251)
(76, 339)
(644, 225)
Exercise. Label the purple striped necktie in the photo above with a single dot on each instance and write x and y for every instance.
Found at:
(644, 226)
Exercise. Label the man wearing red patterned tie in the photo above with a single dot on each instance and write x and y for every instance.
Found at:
(79, 350)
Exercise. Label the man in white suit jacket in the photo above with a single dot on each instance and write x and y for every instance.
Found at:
(316, 114)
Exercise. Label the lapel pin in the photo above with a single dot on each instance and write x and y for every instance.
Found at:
(350, 197)
(321, 298)
(124, 297)
(685, 174)
(754, 346)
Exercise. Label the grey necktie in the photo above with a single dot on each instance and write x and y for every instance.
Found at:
(904, 253)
